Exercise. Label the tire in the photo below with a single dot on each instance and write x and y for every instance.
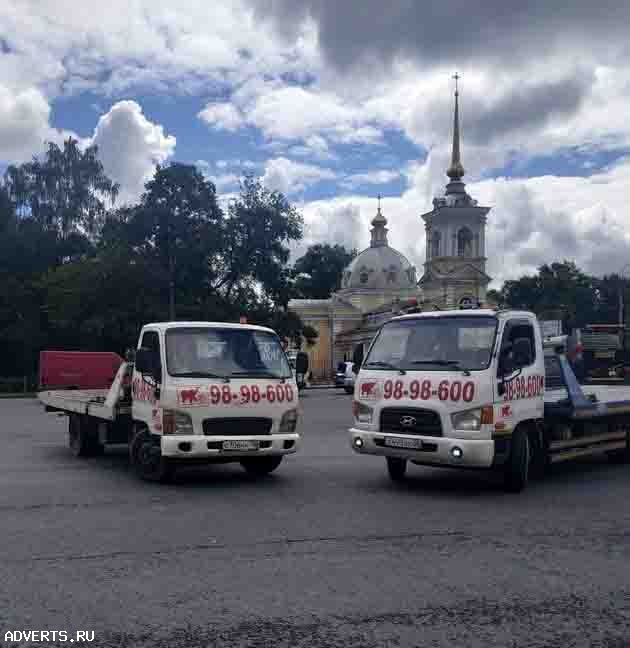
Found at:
(260, 466)
(396, 468)
(620, 456)
(147, 460)
(518, 463)
(83, 437)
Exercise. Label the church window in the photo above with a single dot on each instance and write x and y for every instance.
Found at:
(435, 244)
(464, 242)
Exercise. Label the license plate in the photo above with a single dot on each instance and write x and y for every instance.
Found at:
(241, 445)
(604, 355)
(397, 442)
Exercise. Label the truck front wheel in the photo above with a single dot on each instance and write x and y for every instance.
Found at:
(146, 458)
(83, 437)
(517, 466)
(396, 468)
(260, 466)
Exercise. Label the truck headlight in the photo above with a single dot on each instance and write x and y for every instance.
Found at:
(174, 422)
(288, 423)
(472, 420)
(362, 413)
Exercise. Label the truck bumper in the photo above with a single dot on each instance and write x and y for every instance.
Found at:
(195, 446)
(434, 451)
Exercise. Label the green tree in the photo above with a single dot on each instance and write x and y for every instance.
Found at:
(558, 287)
(65, 191)
(318, 273)
(178, 229)
(258, 229)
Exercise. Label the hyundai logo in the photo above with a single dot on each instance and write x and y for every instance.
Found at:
(407, 421)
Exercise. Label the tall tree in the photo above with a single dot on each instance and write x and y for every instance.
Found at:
(178, 226)
(67, 190)
(318, 273)
(258, 229)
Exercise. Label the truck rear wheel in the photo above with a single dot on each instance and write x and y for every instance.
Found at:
(396, 468)
(260, 466)
(517, 466)
(146, 458)
(83, 437)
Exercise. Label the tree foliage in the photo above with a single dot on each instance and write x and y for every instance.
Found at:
(75, 273)
(65, 191)
(318, 273)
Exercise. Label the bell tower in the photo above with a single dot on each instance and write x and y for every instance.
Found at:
(455, 266)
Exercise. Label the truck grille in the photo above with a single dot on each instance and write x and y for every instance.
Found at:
(407, 420)
(237, 426)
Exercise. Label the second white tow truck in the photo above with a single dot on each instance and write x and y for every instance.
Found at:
(477, 389)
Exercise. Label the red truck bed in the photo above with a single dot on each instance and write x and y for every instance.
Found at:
(77, 369)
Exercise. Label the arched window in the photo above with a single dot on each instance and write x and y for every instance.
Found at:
(435, 244)
(464, 242)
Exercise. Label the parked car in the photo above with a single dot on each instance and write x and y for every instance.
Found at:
(348, 384)
(342, 372)
(345, 377)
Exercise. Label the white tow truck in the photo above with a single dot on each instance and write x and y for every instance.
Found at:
(480, 389)
(196, 391)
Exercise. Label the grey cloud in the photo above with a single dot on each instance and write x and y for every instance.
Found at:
(452, 30)
(525, 107)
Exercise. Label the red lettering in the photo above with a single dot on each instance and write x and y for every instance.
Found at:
(468, 393)
(443, 390)
(456, 391)
(398, 390)
(425, 394)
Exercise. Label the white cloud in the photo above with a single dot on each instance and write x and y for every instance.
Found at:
(225, 181)
(381, 176)
(222, 116)
(130, 146)
(25, 124)
(289, 177)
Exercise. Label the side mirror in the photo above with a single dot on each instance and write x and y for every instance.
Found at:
(522, 352)
(355, 368)
(144, 361)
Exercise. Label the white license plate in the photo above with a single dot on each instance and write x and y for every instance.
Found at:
(241, 445)
(398, 442)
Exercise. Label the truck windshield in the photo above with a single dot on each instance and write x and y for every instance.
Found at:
(434, 344)
(225, 352)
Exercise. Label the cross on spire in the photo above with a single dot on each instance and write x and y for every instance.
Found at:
(457, 78)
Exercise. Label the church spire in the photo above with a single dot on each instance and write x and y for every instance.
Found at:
(456, 171)
(379, 229)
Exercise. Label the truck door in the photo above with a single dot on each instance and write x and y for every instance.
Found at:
(520, 373)
(143, 389)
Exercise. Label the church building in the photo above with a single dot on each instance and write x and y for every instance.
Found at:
(381, 283)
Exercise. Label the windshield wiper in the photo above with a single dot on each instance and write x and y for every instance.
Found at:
(201, 374)
(443, 363)
(385, 365)
(258, 373)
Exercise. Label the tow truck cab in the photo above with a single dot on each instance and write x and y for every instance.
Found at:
(448, 388)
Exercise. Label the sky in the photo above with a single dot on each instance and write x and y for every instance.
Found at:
(333, 103)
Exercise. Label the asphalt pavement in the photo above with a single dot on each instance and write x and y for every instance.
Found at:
(324, 552)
